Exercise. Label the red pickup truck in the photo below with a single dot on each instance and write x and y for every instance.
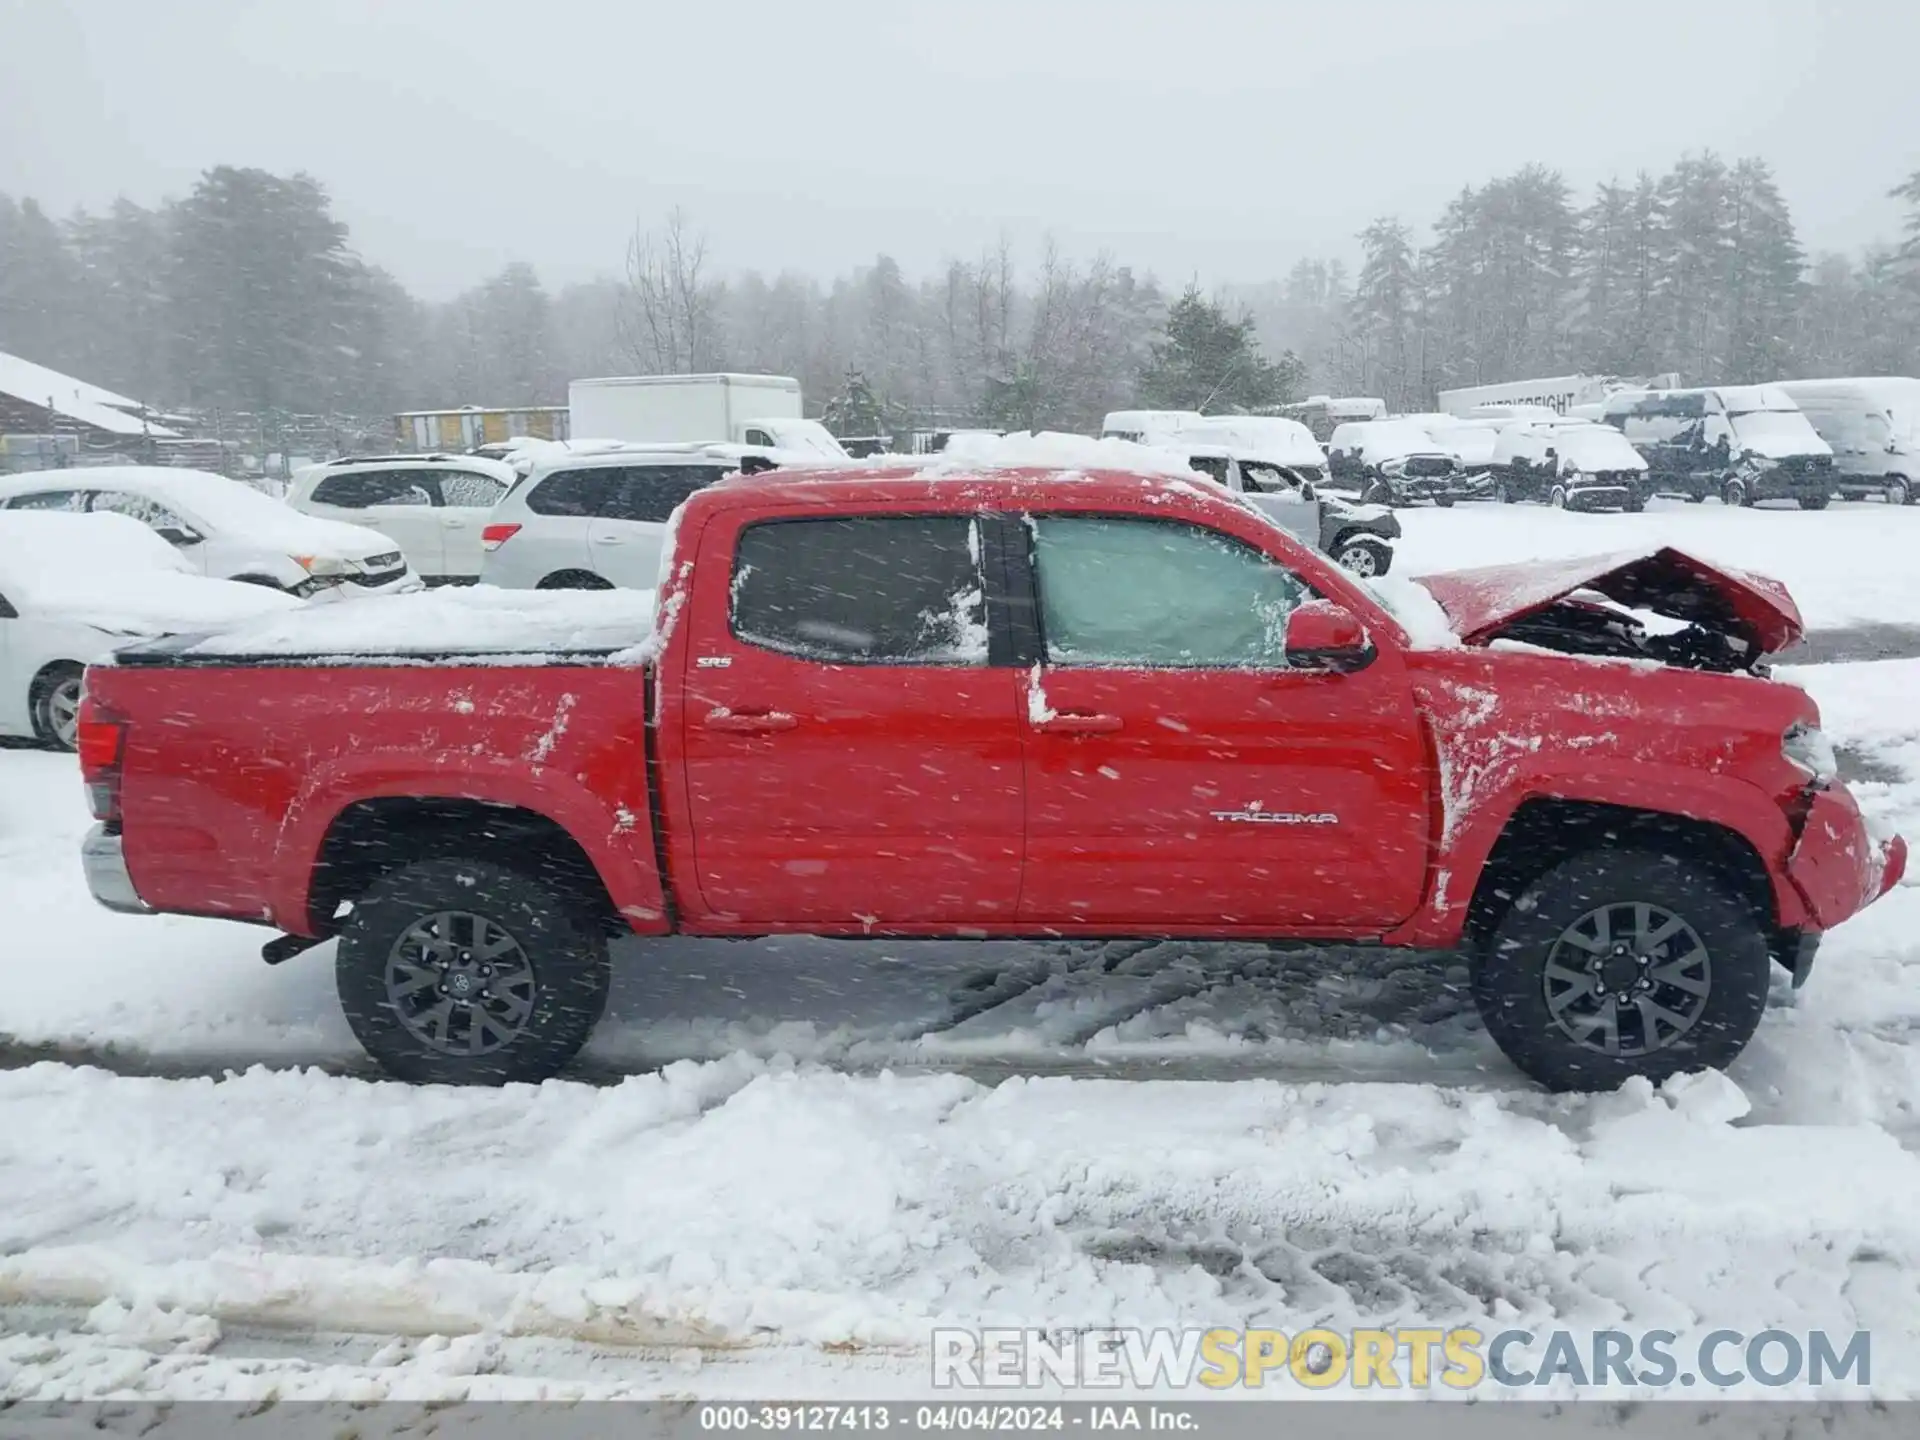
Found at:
(1023, 703)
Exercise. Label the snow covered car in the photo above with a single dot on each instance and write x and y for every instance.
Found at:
(1740, 442)
(1359, 537)
(595, 519)
(1269, 437)
(74, 586)
(1396, 462)
(225, 529)
(1570, 464)
(432, 506)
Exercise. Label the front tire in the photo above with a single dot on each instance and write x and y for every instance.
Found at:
(1365, 558)
(1899, 492)
(1620, 963)
(1814, 502)
(1557, 497)
(462, 972)
(1736, 495)
(54, 703)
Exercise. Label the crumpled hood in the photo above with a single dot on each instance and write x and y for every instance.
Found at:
(1670, 582)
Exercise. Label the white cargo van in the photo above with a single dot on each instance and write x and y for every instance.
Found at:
(759, 410)
(1873, 425)
(1146, 427)
(1740, 442)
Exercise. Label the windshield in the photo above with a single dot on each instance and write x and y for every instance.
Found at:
(1600, 448)
(1775, 425)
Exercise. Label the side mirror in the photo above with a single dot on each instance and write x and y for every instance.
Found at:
(1324, 636)
(175, 535)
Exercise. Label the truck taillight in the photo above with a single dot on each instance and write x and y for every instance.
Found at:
(494, 536)
(101, 743)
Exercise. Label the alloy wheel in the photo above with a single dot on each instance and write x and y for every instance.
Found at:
(1627, 979)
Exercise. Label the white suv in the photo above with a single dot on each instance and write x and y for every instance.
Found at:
(225, 528)
(595, 521)
(431, 506)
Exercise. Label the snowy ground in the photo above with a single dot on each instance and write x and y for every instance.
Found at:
(850, 1145)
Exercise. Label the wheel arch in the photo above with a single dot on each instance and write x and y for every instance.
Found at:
(373, 837)
(1544, 831)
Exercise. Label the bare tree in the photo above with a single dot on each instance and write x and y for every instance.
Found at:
(670, 311)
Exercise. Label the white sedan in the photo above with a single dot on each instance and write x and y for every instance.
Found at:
(225, 528)
(73, 587)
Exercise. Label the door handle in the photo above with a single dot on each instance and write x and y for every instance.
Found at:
(610, 540)
(453, 524)
(736, 723)
(1071, 724)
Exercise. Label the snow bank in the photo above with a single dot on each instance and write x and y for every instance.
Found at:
(473, 620)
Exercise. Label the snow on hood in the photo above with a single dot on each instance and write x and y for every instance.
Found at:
(113, 573)
(227, 507)
(1753, 608)
(159, 603)
(473, 620)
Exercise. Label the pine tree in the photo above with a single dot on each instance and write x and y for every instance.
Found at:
(259, 290)
(1205, 361)
(1763, 287)
(1383, 314)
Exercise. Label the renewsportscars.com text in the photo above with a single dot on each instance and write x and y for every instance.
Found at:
(1411, 1358)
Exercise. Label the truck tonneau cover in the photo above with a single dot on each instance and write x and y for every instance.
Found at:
(473, 625)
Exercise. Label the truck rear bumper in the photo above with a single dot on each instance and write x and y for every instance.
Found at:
(105, 860)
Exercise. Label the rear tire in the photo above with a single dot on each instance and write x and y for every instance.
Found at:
(1557, 497)
(1445, 502)
(574, 580)
(1899, 491)
(462, 972)
(54, 703)
(1736, 495)
(1814, 502)
(1677, 960)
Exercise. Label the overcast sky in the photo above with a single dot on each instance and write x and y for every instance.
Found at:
(1220, 139)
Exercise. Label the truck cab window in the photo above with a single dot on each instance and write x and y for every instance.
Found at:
(903, 589)
(1149, 593)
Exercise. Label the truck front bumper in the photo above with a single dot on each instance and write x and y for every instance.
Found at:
(105, 860)
(1839, 865)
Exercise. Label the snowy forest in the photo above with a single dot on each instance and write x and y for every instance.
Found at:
(247, 296)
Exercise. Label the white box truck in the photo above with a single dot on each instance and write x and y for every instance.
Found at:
(759, 410)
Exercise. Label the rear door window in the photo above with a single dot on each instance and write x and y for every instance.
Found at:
(149, 512)
(651, 493)
(576, 493)
(896, 589)
(467, 490)
(364, 489)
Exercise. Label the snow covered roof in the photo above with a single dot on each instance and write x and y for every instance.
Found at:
(86, 404)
